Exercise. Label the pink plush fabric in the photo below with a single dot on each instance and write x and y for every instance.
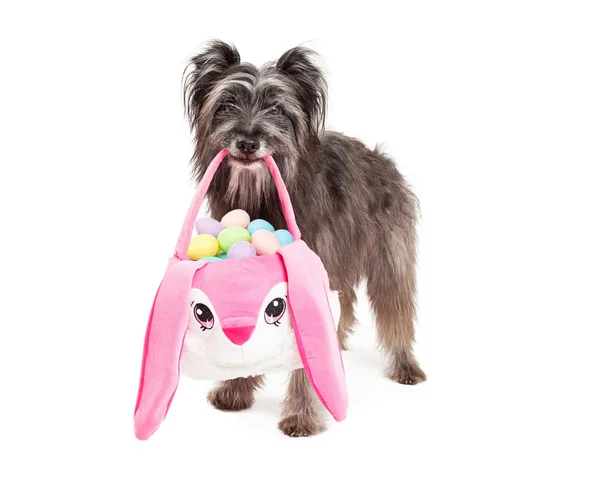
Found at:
(284, 198)
(235, 288)
(162, 348)
(315, 331)
(188, 224)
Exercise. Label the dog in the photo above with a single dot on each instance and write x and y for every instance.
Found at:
(347, 198)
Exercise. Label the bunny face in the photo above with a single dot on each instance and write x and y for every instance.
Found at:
(233, 332)
(239, 318)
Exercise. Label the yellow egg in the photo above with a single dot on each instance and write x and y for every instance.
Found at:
(202, 246)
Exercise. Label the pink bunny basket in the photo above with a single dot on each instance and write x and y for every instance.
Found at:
(239, 318)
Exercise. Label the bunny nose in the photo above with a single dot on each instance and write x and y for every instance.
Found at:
(238, 330)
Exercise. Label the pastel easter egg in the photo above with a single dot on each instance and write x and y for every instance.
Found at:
(222, 256)
(211, 259)
(236, 218)
(231, 235)
(284, 237)
(241, 249)
(202, 246)
(265, 242)
(208, 226)
(256, 225)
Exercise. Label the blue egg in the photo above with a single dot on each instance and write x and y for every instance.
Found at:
(211, 259)
(222, 256)
(260, 225)
(284, 237)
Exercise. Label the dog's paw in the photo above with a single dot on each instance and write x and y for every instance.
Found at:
(300, 426)
(407, 373)
(228, 399)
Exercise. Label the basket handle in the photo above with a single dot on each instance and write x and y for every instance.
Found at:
(185, 236)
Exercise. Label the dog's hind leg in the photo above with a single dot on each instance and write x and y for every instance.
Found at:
(347, 316)
(391, 286)
(235, 394)
(303, 413)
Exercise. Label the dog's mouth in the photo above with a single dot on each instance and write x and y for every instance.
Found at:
(244, 160)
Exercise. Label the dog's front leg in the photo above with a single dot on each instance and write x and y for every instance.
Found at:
(303, 414)
(235, 394)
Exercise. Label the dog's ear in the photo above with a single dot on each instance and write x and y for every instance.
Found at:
(203, 72)
(300, 65)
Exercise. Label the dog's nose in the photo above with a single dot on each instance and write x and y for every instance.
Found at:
(247, 146)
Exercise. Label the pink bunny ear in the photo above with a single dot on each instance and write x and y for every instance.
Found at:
(162, 349)
(314, 327)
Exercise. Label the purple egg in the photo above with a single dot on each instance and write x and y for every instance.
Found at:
(241, 249)
(208, 226)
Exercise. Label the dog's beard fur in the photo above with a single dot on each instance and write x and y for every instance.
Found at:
(248, 185)
(347, 197)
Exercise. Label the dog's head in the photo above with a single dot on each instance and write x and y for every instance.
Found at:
(276, 109)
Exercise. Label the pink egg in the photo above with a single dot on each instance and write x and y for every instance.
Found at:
(265, 242)
(236, 218)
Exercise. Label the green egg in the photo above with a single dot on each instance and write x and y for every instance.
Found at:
(231, 235)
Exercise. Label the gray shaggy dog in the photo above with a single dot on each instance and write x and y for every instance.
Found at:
(347, 198)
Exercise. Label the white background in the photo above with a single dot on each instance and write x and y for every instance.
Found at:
(492, 110)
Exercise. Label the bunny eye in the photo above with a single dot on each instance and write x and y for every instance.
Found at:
(204, 316)
(274, 311)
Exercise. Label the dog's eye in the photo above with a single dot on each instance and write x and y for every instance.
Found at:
(274, 311)
(275, 110)
(226, 107)
(204, 316)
